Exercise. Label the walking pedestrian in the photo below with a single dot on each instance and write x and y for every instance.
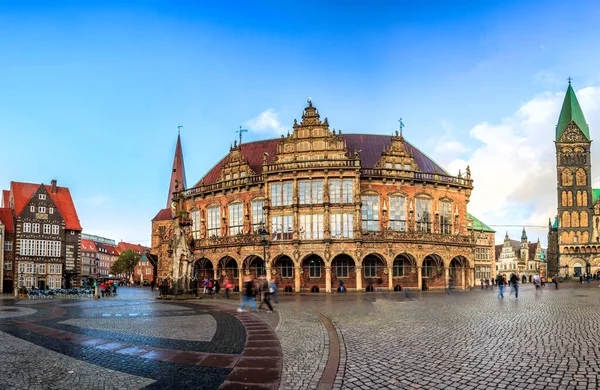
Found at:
(514, 280)
(217, 287)
(487, 283)
(273, 290)
(555, 280)
(264, 294)
(500, 281)
(227, 287)
(248, 295)
(152, 285)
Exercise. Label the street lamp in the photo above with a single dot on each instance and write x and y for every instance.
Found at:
(264, 235)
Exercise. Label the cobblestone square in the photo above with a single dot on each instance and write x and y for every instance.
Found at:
(463, 340)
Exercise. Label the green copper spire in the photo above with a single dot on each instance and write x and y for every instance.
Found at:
(571, 111)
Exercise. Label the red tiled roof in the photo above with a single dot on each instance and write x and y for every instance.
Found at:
(88, 245)
(7, 219)
(135, 247)
(107, 249)
(5, 198)
(22, 192)
(163, 215)
(371, 146)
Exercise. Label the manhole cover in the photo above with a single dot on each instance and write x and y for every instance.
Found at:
(9, 309)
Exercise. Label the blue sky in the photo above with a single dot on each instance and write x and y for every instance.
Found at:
(91, 93)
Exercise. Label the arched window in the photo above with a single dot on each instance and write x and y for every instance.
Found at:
(427, 269)
(564, 198)
(567, 177)
(566, 219)
(446, 217)
(575, 219)
(581, 177)
(570, 198)
(583, 219)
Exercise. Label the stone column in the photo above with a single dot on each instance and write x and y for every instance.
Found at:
(297, 279)
(390, 279)
(419, 279)
(447, 276)
(358, 278)
(327, 279)
(241, 280)
(216, 274)
(464, 276)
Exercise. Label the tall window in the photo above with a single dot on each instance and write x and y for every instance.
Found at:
(281, 194)
(342, 268)
(335, 191)
(347, 192)
(288, 191)
(8, 247)
(214, 221)
(446, 217)
(370, 213)
(370, 267)
(340, 191)
(398, 213)
(46, 228)
(427, 270)
(195, 215)
(258, 215)
(423, 214)
(341, 225)
(314, 269)
(311, 226)
(276, 194)
(236, 219)
(35, 227)
(287, 268)
(399, 267)
(311, 192)
(282, 227)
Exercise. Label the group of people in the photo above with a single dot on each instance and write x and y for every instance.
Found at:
(262, 289)
(513, 280)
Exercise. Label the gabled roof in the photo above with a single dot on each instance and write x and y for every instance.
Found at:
(571, 111)
(122, 246)
(22, 193)
(163, 215)
(6, 217)
(479, 226)
(370, 145)
(106, 249)
(5, 198)
(88, 246)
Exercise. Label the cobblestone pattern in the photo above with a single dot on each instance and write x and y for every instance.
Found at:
(474, 340)
(229, 337)
(305, 344)
(27, 366)
(191, 328)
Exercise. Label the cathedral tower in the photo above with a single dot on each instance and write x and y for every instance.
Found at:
(574, 173)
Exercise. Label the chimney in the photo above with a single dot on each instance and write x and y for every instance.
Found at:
(53, 186)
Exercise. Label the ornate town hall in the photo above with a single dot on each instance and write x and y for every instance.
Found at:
(318, 207)
(574, 238)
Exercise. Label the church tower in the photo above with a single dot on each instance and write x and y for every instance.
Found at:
(177, 182)
(574, 173)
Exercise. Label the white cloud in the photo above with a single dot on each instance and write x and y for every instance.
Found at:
(514, 168)
(266, 122)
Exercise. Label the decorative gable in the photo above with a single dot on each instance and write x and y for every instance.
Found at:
(573, 134)
(395, 156)
(237, 167)
(311, 140)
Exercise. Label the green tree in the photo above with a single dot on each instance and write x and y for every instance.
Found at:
(126, 262)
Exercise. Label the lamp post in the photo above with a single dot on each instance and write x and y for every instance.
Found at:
(264, 235)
